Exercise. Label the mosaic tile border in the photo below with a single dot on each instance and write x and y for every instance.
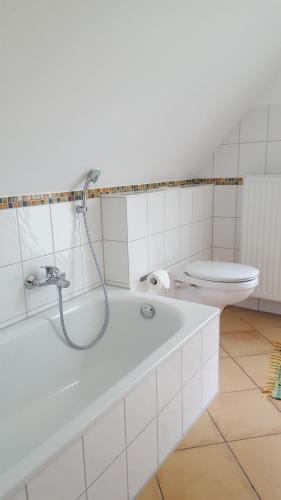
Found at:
(31, 200)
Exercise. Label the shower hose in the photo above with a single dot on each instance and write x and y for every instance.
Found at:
(106, 316)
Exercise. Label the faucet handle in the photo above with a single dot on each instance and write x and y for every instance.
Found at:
(52, 271)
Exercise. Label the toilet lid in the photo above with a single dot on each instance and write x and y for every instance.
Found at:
(227, 272)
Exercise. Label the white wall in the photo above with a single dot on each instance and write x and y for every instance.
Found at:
(142, 90)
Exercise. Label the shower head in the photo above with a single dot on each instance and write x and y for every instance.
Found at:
(93, 176)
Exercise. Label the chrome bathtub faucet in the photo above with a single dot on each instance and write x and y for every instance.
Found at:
(53, 277)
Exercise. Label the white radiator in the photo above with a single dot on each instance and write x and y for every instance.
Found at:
(261, 232)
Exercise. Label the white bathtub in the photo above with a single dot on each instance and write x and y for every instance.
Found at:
(54, 400)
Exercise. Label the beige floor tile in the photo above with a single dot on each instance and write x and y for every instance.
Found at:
(256, 367)
(150, 491)
(257, 319)
(244, 414)
(203, 432)
(276, 403)
(230, 322)
(271, 334)
(223, 353)
(232, 378)
(261, 459)
(206, 473)
(244, 343)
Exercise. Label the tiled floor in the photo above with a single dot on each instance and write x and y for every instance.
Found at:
(233, 452)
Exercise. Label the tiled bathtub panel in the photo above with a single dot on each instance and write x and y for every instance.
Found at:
(140, 407)
(105, 457)
(63, 479)
(142, 459)
(104, 441)
(169, 427)
(191, 401)
(210, 339)
(210, 379)
(112, 484)
(191, 357)
(168, 378)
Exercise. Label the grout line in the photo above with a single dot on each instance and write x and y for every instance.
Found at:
(254, 437)
(238, 463)
(266, 144)
(84, 466)
(126, 448)
(159, 486)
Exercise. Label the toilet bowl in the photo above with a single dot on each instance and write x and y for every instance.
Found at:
(214, 283)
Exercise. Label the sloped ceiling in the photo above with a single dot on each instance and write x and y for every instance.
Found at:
(142, 89)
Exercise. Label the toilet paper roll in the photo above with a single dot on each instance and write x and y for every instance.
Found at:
(158, 280)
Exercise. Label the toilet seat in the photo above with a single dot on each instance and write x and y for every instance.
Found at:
(219, 272)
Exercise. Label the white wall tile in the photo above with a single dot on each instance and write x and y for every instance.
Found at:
(197, 237)
(138, 259)
(140, 407)
(191, 401)
(210, 379)
(172, 214)
(274, 123)
(156, 207)
(65, 222)
(238, 234)
(252, 158)
(63, 479)
(169, 427)
(168, 378)
(12, 302)
(172, 247)
(208, 233)
(137, 217)
(114, 218)
(210, 339)
(224, 232)
(226, 161)
(9, 237)
(191, 357)
(236, 255)
(104, 441)
(156, 252)
(239, 201)
(198, 204)
(233, 136)
(35, 231)
(185, 242)
(90, 272)
(19, 496)
(225, 200)
(269, 306)
(250, 303)
(112, 484)
(208, 193)
(116, 263)
(142, 459)
(224, 254)
(273, 160)
(93, 220)
(254, 125)
(70, 262)
(185, 206)
(38, 297)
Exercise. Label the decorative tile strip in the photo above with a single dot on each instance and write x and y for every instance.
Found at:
(31, 200)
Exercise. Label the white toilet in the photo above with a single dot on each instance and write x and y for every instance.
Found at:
(214, 283)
